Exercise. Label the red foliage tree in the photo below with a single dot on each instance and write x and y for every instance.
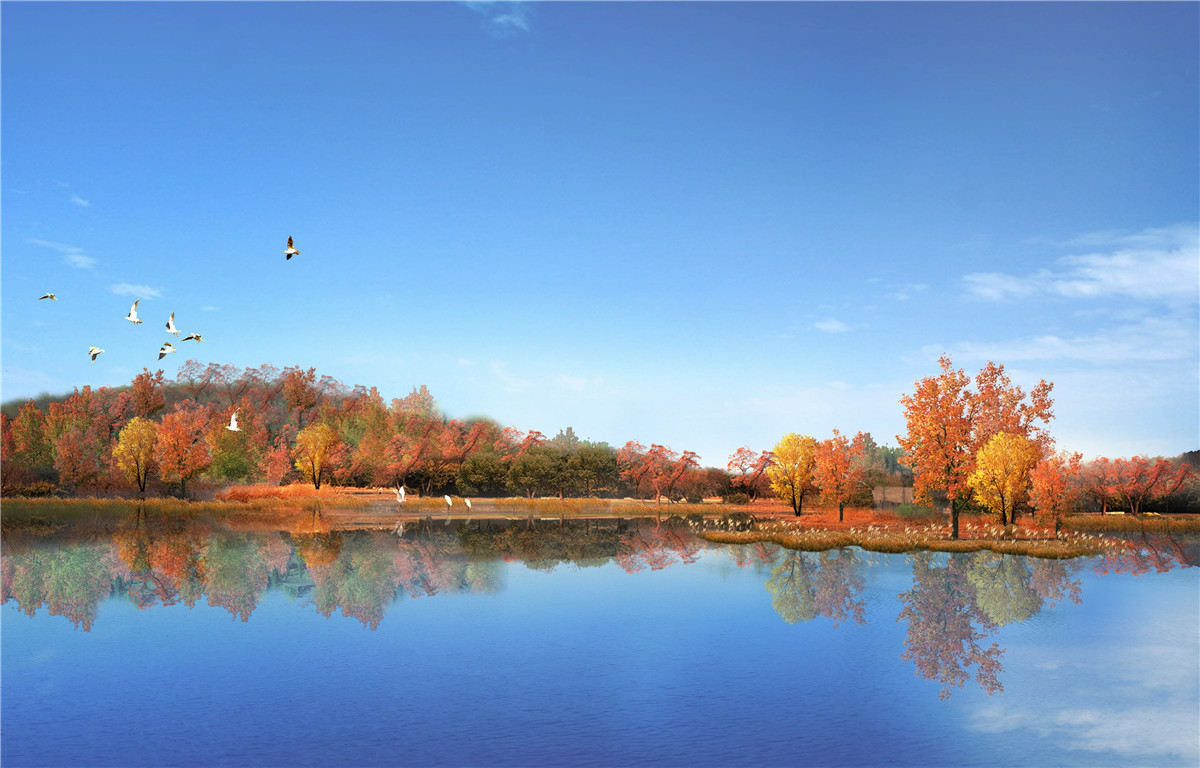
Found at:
(181, 450)
(751, 469)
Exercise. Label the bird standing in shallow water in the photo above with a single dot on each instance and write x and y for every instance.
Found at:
(291, 249)
(94, 352)
(132, 316)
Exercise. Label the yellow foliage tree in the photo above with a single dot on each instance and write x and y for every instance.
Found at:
(1002, 473)
(315, 448)
(791, 475)
(134, 452)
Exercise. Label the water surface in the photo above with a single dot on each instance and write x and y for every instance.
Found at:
(589, 646)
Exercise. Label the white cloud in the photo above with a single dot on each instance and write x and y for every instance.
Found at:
(511, 382)
(831, 326)
(1153, 264)
(503, 18)
(906, 292)
(1151, 339)
(209, 308)
(72, 254)
(77, 200)
(141, 291)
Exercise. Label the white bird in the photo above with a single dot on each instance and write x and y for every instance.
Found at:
(165, 350)
(193, 337)
(94, 352)
(400, 494)
(291, 250)
(468, 501)
(449, 503)
(171, 325)
(233, 427)
(50, 296)
(132, 316)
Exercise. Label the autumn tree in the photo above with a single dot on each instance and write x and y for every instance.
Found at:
(147, 393)
(181, 450)
(838, 469)
(32, 448)
(1055, 488)
(1002, 473)
(751, 469)
(316, 446)
(948, 423)
(792, 473)
(135, 450)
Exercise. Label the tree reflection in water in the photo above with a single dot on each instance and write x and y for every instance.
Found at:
(955, 604)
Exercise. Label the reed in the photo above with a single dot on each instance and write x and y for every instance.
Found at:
(1132, 523)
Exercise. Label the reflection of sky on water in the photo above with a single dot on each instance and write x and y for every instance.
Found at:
(688, 665)
(1125, 689)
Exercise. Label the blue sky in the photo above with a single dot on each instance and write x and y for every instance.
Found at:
(698, 224)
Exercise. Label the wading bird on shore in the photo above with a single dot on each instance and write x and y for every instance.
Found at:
(171, 325)
(400, 494)
(94, 352)
(291, 249)
(50, 296)
(132, 316)
(449, 503)
(165, 350)
(233, 427)
(193, 337)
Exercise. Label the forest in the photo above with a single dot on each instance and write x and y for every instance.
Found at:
(981, 444)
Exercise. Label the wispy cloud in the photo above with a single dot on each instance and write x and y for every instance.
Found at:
(831, 326)
(210, 308)
(140, 291)
(1152, 338)
(510, 381)
(79, 201)
(1161, 264)
(503, 19)
(72, 254)
(906, 292)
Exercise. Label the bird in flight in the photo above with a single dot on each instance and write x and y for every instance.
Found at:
(132, 316)
(165, 350)
(94, 352)
(291, 249)
(233, 427)
(171, 325)
(50, 296)
(193, 337)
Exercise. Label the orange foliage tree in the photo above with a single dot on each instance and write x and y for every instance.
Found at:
(948, 423)
(838, 469)
(181, 450)
(751, 469)
(1055, 488)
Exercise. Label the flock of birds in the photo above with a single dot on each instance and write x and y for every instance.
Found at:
(167, 348)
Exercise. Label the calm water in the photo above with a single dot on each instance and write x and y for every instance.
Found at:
(586, 646)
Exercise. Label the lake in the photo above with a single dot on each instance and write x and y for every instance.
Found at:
(598, 643)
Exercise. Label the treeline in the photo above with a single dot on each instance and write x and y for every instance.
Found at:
(221, 424)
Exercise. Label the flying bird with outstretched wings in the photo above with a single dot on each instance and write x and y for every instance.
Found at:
(291, 249)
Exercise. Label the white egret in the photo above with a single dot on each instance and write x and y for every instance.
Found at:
(193, 337)
(50, 296)
(94, 352)
(171, 325)
(233, 427)
(165, 350)
(468, 501)
(400, 494)
(449, 503)
(132, 316)
(291, 249)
